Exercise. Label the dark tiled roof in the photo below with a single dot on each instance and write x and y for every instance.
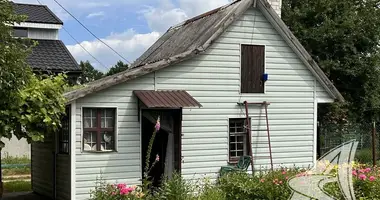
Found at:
(52, 55)
(36, 13)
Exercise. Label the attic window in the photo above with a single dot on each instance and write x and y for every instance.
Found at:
(252, 68)
(20, 32)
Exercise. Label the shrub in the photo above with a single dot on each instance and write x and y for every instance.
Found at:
(271, 185)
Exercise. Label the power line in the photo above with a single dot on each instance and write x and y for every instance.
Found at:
(80, 44)
(92, 32)
(84, 48)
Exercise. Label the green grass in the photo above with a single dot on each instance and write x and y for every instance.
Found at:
(16, 171)
(15, 160)
(17, 186)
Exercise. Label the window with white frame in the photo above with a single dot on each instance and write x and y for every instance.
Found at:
(237, 139)
(99, 126)
(64, 133)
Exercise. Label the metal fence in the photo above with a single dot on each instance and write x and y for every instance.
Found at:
(331, 135)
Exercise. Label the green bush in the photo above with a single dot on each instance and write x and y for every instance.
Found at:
(364, 156)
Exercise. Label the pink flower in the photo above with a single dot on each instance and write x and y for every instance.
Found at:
(284, 172)
(158, 125)
(362, 177)
(354, 173)
(262, 180)
(157, 158)
(280, 182)
(125, 191)
(286, 178)
(367, 170)
(113, 193)
(372, 178)
(361, 171)
(121, 186)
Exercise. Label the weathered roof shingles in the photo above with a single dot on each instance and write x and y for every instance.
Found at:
(52, 55)
(36, 13)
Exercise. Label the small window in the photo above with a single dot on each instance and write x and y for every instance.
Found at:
(238, 139)
(20, 32)
(99, 129)
(64, 134)
(252, 68)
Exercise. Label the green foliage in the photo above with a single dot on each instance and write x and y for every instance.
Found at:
(343, 37)
(17, 186)
(14, 160)
(271, 185)
(30, 106)
(175, 188)
(119, 67)
(89, 73)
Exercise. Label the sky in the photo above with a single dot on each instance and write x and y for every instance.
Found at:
(128, 26)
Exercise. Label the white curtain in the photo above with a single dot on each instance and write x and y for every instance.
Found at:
(166, 122)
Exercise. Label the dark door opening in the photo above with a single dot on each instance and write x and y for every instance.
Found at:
(167, 143)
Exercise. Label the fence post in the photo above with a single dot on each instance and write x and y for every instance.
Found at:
(374, 143)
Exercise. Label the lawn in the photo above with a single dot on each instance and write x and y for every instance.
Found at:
(17, 186)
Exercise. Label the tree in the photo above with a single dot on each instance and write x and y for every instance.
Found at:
(119, 67)
(30, 106)
(89, 73)
(343, 37)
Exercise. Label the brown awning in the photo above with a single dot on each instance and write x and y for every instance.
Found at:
(166, 99)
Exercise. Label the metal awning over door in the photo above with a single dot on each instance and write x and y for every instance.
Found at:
(166, 99)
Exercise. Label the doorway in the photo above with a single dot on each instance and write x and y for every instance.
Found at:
(167, 143)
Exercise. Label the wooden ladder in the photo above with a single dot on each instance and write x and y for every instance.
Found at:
(249, 131)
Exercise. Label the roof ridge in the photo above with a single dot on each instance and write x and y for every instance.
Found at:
(29, 4)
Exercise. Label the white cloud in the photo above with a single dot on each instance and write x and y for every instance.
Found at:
(196, 7)
(96, 14)
(129, 44)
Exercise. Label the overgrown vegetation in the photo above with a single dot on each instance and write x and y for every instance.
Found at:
(15, 160)
(243, 186)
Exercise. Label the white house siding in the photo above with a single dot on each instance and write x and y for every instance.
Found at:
(322, 95)
(42, 167)
(122, 166)
(46, 34)
(63, 180)
(214, 80)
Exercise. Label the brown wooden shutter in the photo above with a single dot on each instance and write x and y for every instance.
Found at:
(252, 68)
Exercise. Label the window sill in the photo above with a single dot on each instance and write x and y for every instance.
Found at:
(99, 152)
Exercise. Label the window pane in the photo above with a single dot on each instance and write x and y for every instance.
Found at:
(89, 141)
(87, 112)
(240, 138)
(107, 141)
(240, 146)
(107, 120)
(20, 32)
(89, 118)
(239, 153)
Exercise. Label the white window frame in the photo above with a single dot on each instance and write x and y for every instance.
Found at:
(245, 139)
(116, 129)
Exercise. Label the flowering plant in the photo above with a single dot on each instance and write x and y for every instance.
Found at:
(121, 191)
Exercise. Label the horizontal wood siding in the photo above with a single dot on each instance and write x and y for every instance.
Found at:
(214, 80)
(42, 167)
(123, 166)
(47, 34)
(322, 94)
(63, 177)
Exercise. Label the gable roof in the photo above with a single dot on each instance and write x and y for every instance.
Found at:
(36, 13)
(52, 55)
(193, 37)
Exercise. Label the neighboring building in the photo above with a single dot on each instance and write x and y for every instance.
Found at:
(193, 77)
(49, 56)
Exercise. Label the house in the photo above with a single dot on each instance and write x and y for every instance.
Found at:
(50, 56)
(193, 78)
